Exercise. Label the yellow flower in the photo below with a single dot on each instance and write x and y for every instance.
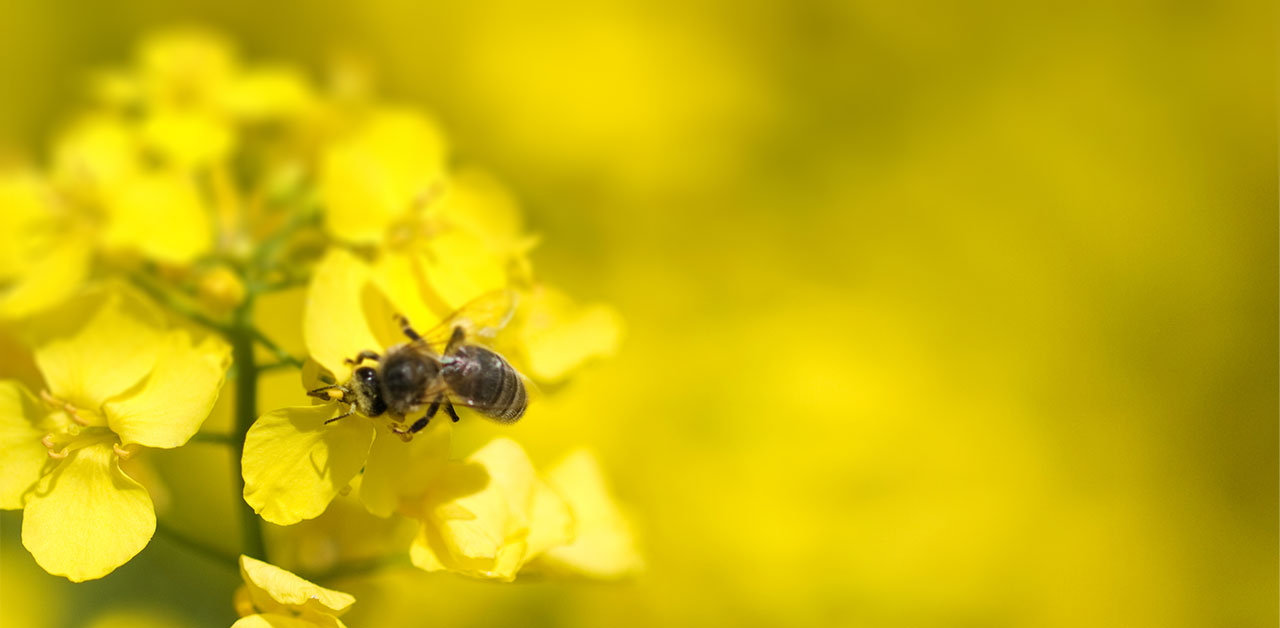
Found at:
(384, 169)
(488, 515)
(273, 597)
(345, 314)
(118, 378)
(43, 257)
(350, 307)
(603, 546)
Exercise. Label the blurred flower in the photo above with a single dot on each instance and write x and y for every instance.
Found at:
(118, 378)
(603, 543)
(43, 256)
(488, 515)
(384, 169)
(273, 597)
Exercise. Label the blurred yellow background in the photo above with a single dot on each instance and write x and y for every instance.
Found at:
(953, 314)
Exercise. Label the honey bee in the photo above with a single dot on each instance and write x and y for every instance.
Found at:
(413, 375)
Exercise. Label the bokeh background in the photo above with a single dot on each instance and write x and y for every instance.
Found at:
(939, 314)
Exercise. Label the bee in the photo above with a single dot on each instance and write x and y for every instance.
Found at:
(412, 375)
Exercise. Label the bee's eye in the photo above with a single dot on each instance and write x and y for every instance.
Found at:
(367, 375)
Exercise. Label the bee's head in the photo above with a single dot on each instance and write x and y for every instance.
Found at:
(362, 390)
(366, 392)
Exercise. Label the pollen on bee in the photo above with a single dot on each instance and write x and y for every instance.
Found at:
(334, 395)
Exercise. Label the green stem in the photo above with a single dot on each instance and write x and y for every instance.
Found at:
(242, 338)
(196, 546)
(360, 567)
(167, 298)
(214, 438)
(283, 356)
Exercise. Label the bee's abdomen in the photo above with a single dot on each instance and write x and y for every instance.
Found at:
(487, 383)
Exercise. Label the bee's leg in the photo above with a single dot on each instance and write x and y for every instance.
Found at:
(455, 339)
(407, 329)
(362, 356)
(426, 418)
(448, 409)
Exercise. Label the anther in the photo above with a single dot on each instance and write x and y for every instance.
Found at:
(60, 454)
(64, 406)
(124, 454)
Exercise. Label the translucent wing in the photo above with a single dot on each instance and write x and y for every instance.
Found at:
(480, 319)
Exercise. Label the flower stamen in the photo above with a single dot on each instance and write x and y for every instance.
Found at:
(123, 452)
(65, 406)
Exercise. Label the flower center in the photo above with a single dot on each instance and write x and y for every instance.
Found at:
(83, 430)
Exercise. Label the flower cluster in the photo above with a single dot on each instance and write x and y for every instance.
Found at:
(131, 265)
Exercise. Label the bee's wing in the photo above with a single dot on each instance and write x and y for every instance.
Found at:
(480, 319)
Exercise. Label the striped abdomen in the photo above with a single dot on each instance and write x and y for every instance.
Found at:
(483, 380)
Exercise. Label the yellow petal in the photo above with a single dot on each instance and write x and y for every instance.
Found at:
(294, 464)
(171, 404)
(274, 620)
(475, 202)
(43, 256)
(55, 274)
(161, 216)
(87, 517)
(97, 153)
(23, 459)
(269, 585)
(187, 139)
(269, 93)
(559, 336)
(345, 313)
(187, 66)
(478, 518)
(550, 521)
(403, 279)
(26, 222)
(378, 175)
(604, 545)
(113, 340)
(399, 472)
(459, 267)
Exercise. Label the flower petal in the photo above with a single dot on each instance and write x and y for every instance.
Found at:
(344, 313)
(117, 336)
(42, 262)
(375, 177)
(558, 335)
(161, 216)
(604, 545)
(550, 521)
(187, 139)
(170, 405)
(87, 517)
(477, 519)
(23, 459)
(460, 267)
(269, 585)
(294, 464)
(274, 620)
(53, 277)
(398, 471)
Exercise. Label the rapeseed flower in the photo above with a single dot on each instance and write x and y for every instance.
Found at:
(168, 182)
(488, 515)
(274, 598)
(119, 377)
